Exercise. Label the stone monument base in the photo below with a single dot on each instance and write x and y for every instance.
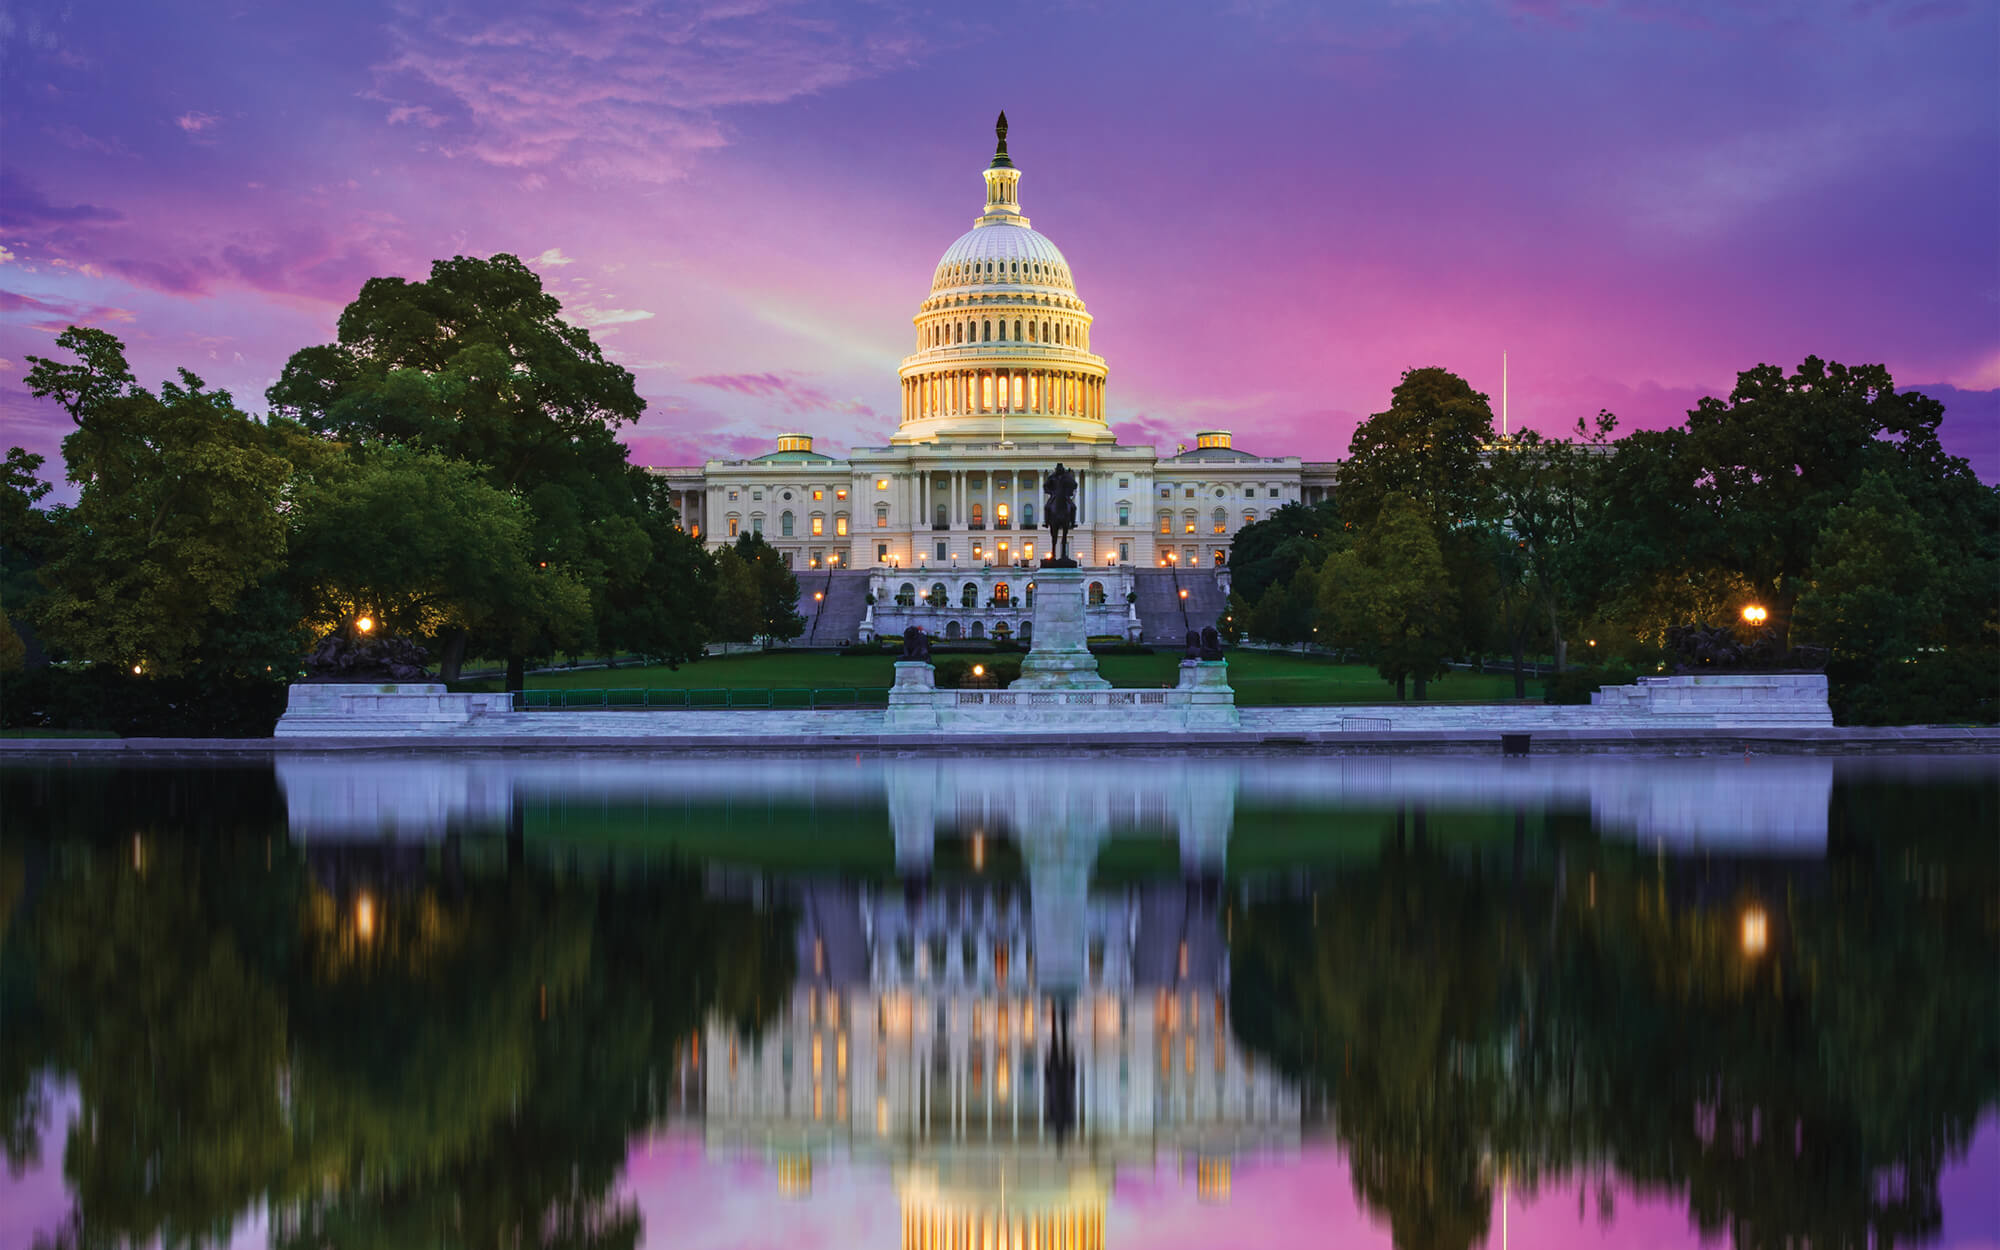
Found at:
(385, 709)
(1060, 658)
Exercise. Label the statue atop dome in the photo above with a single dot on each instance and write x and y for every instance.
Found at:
(1000, 158)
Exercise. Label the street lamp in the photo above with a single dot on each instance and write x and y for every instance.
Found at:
(365, 624)
(1756, 615)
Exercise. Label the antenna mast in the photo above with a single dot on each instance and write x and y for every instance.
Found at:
(1503, 394)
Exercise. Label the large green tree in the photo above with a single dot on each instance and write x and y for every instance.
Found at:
(1425, 446)
(177, 524)
(1389, 595)
(478, 364)
(1547, 494)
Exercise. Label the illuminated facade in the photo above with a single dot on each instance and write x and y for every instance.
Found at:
(1000, 386)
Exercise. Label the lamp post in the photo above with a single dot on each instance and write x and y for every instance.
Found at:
(1756, 614)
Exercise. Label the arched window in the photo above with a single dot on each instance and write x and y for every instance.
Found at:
(818, 525)
(1097, 594)
(1166, 522)
(978, 516)
(1250, 518)
(733, 523)
(943, 521)
(785, 525)
(1187, 522)
(968, 595)
(906, 595)
(1017, 329)
(1031, 333)
(1027, 516)
(1031, 602)
(840, 525)
(986, 332)
(1027, 630)
(957, 333)
(952, 631)
(979, 629)
(938, 596)
(1003, 329)
(1003, 596)
(1222, 520)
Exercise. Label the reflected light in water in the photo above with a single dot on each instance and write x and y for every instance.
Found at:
(1756, 931)
(364, 917)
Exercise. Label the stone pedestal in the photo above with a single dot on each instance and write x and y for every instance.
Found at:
(1060, 658)
(360, 709)
(912, 700)
(1211, 702)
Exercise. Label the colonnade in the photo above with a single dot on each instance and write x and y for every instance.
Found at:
(962, 1229)
(960, 392)
(958, 495)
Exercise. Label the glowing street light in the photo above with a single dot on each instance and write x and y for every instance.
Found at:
(1755, 614)
(364, 623)
(1183, 592)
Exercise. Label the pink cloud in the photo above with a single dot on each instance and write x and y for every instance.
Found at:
(791, 394)
(194, 123)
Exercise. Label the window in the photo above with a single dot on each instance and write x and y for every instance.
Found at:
(840, 525)
(756, 525)
(881, 553)
(1097, 594)
(1219, 492)
(979, 551)
(1187, 522)
(950, 631)
(1221, 520)
(906, 595)
(1124, 514)
(943, 551)
(937, 597)
(881, 483)
(732, 527)
(1027, 516)
(881, 518)
(785, 525)
(1249, 518)
(1003, 329)
(732, 496)
(1124, 483)
(1124, 553)
(1000, 516)
(1166, 492)
(817, 494)
(1003, 595)
(819, 525)
(968, 595)
(841, 493)
(1166, 522)
(1188, 493)
(788, 495)
(756, 494)
(987, 332)
(1274, 492)
(979, 516)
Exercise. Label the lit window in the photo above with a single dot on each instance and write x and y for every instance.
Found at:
(732, 527)
(881, 518)
(841, 493)
(840, 526)
(818, 493)
(881, 483)
(732, 496)
(1166, 523)
(819, 526)
(1189, 524)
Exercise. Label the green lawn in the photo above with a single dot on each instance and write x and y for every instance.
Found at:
(1261, 678)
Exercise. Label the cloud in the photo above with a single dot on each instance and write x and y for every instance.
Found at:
(56, 315)
(627, 88)
(590, 318)
(195, 123)
(25, 207)
(553, 257)
(6, 256)
(791, 394)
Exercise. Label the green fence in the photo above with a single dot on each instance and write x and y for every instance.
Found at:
(789, 699)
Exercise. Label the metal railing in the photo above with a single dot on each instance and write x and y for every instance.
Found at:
(771, 699)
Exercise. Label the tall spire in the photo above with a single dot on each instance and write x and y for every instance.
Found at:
(1003, 185)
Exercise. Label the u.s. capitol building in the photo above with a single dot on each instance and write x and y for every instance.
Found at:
(1001, 386)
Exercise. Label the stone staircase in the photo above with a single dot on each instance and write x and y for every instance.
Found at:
(1162, 621)
(836, 619)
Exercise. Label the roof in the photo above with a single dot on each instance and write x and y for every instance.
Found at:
(1004, 243)
(791, 457)
(1217, 453)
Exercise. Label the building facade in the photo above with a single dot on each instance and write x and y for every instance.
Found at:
(1000, 387)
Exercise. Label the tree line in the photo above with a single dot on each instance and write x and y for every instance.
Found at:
(1821, 498)
(448, 468)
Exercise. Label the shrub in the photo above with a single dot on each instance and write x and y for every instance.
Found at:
(1120, 648)
(1576, 685)
(197, 705)
(1941, 687)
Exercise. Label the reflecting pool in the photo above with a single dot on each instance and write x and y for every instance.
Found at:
(1120, 1000)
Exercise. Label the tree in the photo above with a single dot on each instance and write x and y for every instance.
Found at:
(477, 364)
(1389, 595)
(1286, 613)
(426, 546)
(1874, 597)
(27, 533)
(1426, 446)
(1747, 486)
(177, 516)
(1546, 492)
(736, 616)
(662, 607)
(778, 618)
(1269, 551)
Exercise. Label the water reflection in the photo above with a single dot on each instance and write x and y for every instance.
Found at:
(434, 1002)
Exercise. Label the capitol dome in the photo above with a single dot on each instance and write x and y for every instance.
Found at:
(1003, 340)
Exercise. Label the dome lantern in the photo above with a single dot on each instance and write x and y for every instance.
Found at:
(1003, 185)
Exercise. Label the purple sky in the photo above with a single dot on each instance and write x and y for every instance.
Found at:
(1272, 207)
